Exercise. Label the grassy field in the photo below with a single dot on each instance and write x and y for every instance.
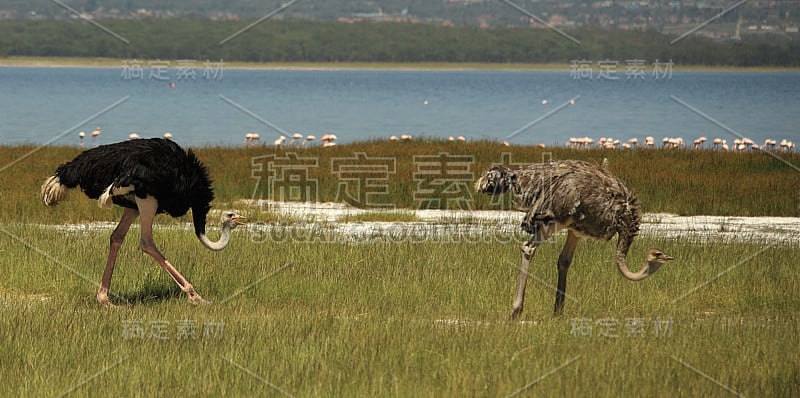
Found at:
(393, 318)
(313, 316)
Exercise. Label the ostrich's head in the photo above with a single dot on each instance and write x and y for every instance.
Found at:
(231, 220)
(497, 180)
(655, 255)
(655, 259)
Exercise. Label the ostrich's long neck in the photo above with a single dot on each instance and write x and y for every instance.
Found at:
(622, 252)
(224, 238)
(199, 216)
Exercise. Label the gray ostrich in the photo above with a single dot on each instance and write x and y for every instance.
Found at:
(579, 196)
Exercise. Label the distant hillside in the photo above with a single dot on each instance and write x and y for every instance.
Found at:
(300, 40)
(722, 19)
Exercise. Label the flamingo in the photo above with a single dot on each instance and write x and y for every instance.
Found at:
(295, 138)
(698, 143)
(95, 134)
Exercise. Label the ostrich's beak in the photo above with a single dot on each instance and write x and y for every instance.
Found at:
(239, 219)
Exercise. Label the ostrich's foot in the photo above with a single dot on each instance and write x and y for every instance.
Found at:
(194, 298)
(515, 313)
(197, 300)
(103, 301)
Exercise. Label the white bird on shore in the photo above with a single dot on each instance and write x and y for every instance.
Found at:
(80, 137)
(572, 142)
(295, 138)
(95, 134)
(328, 140)
(698, 143)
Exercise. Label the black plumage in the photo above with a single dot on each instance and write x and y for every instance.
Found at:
(146, 177)
(157, 167)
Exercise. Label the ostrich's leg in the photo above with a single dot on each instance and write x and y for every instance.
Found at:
(528, 249)
(564, 260)
(147, 211)
(128, 215)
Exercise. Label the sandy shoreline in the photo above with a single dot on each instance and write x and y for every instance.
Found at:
(329, 221)
(70, 62)
(75, 62)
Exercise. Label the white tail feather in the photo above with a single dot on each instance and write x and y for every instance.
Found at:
(53, 192)
(104, 201)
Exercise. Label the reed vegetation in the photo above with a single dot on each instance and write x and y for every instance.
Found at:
(684, 182)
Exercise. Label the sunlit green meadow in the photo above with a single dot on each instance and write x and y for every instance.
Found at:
(310, 313)
(326, 317)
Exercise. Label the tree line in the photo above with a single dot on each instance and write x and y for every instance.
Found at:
(297, 40)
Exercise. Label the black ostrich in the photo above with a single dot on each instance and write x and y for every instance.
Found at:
(146, 177)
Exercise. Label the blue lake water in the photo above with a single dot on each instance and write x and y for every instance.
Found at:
(51, 105)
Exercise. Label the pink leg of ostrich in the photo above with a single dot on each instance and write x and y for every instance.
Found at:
(128, 215)
(564, 260)
(542, 233)
(147, 211)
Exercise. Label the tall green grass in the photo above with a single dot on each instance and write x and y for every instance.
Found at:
(399, 318)
(307, 316)
(684, 182)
